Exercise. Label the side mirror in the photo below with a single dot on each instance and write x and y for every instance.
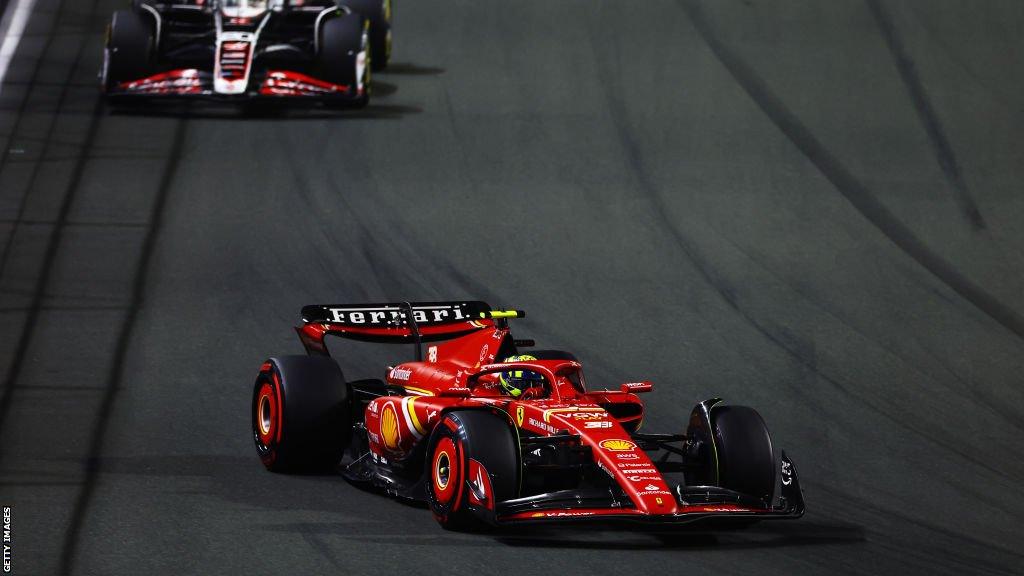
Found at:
(456, 392)
(637, 387)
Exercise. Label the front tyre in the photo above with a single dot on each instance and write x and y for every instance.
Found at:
(128, 54)
(746, 461)
(345, 57)
(300, 414)
(473, 464)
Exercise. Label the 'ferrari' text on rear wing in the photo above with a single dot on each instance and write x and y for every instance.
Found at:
(404, 322)
(396, 314)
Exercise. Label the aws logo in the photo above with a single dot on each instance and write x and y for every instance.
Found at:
(615, 445)
(389, 426)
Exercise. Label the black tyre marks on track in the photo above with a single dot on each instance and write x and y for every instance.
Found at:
(926, 112)
(33, 82)
(722, 287)
(124, 339)
(855, 192)
(54, 240)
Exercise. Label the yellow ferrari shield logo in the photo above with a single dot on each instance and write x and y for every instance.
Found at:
(519, 416)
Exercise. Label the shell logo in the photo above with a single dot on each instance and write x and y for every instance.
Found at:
(389, 426)
(617, 445)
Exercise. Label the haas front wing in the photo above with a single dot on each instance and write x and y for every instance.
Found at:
(235, 74)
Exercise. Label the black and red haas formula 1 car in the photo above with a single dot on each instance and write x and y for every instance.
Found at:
(488, 431)
(247, 49)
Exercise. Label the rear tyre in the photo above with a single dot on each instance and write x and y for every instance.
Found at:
(378, 12)
(300, 414)
(345, 55)
(128, 54)
(746, 462)
(473, 463)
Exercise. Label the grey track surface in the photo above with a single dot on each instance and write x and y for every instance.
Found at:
(813, 208)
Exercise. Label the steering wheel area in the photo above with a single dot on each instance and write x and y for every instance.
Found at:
(534, 393)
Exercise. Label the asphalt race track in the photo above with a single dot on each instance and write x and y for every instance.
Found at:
(813, 208)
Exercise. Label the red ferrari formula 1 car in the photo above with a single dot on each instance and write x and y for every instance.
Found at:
(488, 431)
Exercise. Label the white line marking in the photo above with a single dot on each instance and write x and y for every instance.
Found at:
(12, 27)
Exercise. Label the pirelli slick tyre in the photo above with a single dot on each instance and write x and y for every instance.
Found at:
(128, 54)
(301, 419)
(345, 56)
(472, 463)
(378, 12)
(746, 461)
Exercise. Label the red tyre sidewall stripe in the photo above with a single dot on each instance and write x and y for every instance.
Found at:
(279, 424)
(267, 391)
(444, 494)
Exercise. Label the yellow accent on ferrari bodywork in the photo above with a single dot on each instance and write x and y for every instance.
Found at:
(412, 415)
(502, 314)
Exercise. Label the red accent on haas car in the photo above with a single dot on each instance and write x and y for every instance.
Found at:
(488, 430)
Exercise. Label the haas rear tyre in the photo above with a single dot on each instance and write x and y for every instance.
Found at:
(345, 54)
(378, 12)
(300, 414)
(746, 462)
(472, 464)
(128, 54)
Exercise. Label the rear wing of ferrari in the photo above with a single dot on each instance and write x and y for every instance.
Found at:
(397, 322)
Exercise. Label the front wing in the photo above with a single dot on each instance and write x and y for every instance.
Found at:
(701, 505)
(723, 514)
(191, 82)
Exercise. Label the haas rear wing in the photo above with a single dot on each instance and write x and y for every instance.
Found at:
(401, 322)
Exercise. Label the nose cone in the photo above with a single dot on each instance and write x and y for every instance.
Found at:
(234, 62)
(616, 452)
